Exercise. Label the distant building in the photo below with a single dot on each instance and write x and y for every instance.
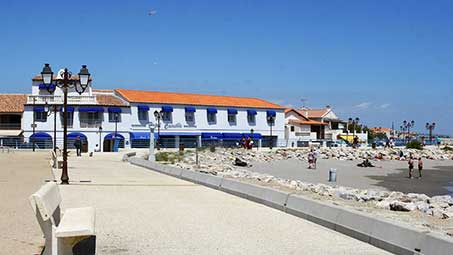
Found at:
(11, 110)
(382, 130)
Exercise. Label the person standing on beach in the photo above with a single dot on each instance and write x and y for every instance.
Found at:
(420, 167)
(310, 159)
(78, 146)
(315, 158)
(411, 167)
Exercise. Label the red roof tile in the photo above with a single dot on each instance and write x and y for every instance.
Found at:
(138, 96)
(12, 103)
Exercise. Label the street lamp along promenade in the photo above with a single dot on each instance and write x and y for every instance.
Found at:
(430, 127)
(65, 82)
(158, 115)
(407, 125)
(49, 112)
(270, 120)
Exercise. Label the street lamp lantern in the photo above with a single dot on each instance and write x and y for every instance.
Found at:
(47, 75)
(84, 77)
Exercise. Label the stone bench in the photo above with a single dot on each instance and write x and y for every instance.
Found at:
(72, 233)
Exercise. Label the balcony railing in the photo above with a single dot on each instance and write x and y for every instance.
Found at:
(73, 100)
(10, 126)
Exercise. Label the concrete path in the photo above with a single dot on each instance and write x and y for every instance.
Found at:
(144, 212)
(21, 174)
(387, 175)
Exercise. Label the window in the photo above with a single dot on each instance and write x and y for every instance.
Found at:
(143, 115)
(251, 118)
(114, 117)
(40, 116)
(190, 117)
(90, 119)
(70, 119)
(166, 116)
(292, 128)
(211, 117)
(232, 118)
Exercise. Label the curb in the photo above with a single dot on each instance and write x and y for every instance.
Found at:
(384, 234)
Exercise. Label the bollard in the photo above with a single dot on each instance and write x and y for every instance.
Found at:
(333, 175)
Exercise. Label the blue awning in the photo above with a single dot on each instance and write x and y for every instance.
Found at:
(115, 109)
(254, 135)
(91, 109)
(251, 112)
(211, 110)
(38, 109)
(40, 136)
(233, 136)
(75, 135)
(143, 107)
(111, 135)
(271, 113)
(141, 135)
(213, 136)
(179, 134)
(232, 111)
(70, 109)
(167, 108)
(44, 86)
(190, 109)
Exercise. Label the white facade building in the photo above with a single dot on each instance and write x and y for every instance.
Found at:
(188, 119)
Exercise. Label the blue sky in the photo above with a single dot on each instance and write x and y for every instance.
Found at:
(383, 61)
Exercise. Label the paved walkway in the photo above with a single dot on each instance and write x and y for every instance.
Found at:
(21, 174)
(144, 212)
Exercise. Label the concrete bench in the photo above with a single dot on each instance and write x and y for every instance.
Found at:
(57, 160)
(73, 233)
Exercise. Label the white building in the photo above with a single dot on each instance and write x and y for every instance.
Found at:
(305, 126)
(189, 119)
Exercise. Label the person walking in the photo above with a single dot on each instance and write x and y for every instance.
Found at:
(420, 167)
(315, 158)
(310, 159)
(411, 167)
(78, 146)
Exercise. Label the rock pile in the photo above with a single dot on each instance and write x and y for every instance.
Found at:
(220, 163)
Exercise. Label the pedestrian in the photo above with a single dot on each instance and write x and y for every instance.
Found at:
(249, 143)
(411, 167)
(392, 143)
(315, 158)
(420, 167)
(310, 159)
(78, 146)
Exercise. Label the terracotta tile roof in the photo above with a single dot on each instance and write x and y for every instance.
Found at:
(138, 96)
(109, 100)
(314, 113)
(380, 129)
(306, 122)
(12, 103)
(297, 112)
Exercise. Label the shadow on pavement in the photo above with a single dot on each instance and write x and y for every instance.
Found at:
(436, 180)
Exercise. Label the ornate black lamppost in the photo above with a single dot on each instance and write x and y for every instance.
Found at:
(49, 112)
(407, 125)
(158, 115)
(270, 120)
(80, 84)
(430, 127)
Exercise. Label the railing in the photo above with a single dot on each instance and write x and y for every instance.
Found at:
(10, 126)
(73, 100)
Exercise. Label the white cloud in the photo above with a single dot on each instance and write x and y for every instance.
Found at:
(384, 106)
(363, 105)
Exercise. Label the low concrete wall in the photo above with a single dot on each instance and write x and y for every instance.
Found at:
(384, 234)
